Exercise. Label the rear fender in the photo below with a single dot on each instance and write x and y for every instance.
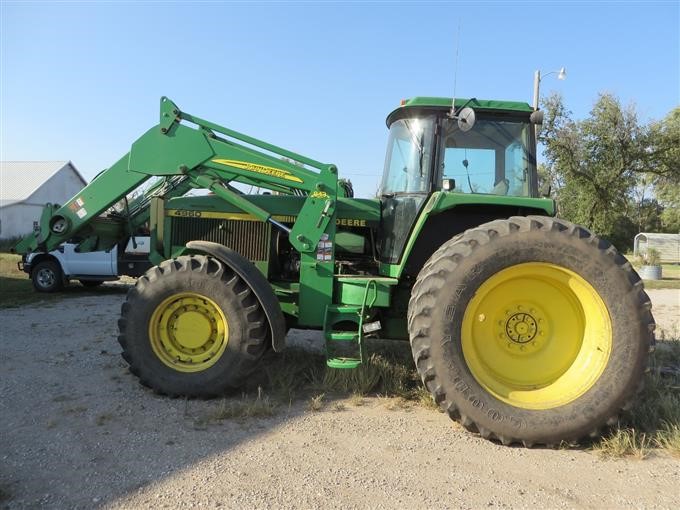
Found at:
(255, 280)
(443, 218)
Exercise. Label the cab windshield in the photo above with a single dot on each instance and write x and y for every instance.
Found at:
(408, 159)
(491, 158)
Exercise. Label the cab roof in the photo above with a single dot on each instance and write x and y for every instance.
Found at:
(440, 103)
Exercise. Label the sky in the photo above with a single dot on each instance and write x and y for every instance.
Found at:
(81, 81)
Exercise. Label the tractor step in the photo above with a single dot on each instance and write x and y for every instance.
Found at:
(343, 348)
(343, 362)
(340, 336)
(343, 310)
(344, 326)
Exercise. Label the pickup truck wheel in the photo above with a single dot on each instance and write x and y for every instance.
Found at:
(90, 283)
(47, 276)
(192, 327)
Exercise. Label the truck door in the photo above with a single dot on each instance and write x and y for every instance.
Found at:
(94, 263)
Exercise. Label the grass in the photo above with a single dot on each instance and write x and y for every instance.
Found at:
(246, 407)
(338, 407)
(15, 287)
(298, 375)
(652, 425)
(671, 270)
(669, 439)
(625, 443)
(424, 398)
(388, 371)
(357, 400)
(397, 404)
(316, 403)
(654, 421)
(17, 290)
(664, 283)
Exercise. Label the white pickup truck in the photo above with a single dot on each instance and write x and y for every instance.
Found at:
(49, 272)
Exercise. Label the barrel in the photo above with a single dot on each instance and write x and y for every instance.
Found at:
(650, 272)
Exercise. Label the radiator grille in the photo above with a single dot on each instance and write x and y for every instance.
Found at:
(249, 238)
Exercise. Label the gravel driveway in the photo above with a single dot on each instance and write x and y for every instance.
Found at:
(77, 430)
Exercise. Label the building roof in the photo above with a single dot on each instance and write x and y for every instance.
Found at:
(20, 179)
(658, 235)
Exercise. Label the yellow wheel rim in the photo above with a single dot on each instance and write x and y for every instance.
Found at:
(536, 336)
(188, 332)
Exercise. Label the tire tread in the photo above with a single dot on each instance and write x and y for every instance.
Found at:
(430, 282)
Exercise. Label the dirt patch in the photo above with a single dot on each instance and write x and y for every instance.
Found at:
(79, 431)
(666, 310)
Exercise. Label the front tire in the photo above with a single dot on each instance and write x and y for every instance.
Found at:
(191, 326)
(530, 330)
(47, 276)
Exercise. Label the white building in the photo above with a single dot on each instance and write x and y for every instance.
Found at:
(668, 246)
(26, 186)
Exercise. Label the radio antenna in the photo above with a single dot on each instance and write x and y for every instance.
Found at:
(452, 113)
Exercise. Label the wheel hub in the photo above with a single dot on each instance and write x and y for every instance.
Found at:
(46, 277)
(188, 332)
(191, 329)
(522, 328)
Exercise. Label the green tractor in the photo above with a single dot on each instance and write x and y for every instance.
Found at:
(524, 327)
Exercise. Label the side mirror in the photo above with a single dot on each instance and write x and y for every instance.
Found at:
(466, 119)
(448, 184)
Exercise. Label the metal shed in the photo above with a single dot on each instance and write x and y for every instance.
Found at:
(668, 246)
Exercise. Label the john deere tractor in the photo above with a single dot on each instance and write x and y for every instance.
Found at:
(524, 327)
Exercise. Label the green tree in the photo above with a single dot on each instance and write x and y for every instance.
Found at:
(664, 166)
(596, 164)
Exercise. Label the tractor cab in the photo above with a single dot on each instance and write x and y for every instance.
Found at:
(485, 148)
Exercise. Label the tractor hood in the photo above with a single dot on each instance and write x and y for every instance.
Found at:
(353, 212)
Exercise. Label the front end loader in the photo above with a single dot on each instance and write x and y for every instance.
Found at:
(524, 327)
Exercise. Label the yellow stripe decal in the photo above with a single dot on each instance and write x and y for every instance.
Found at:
(260, 169)
(186, 213)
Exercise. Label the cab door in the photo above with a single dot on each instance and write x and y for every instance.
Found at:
(406, 183)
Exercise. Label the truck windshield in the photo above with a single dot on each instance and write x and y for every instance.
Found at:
(492, 158)
(409, 152)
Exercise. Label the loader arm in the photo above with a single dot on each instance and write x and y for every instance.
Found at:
(205, 155)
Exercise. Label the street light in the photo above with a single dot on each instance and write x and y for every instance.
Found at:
(561, 75)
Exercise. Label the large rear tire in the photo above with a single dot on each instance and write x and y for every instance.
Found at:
(191, 326)
(530, 330)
